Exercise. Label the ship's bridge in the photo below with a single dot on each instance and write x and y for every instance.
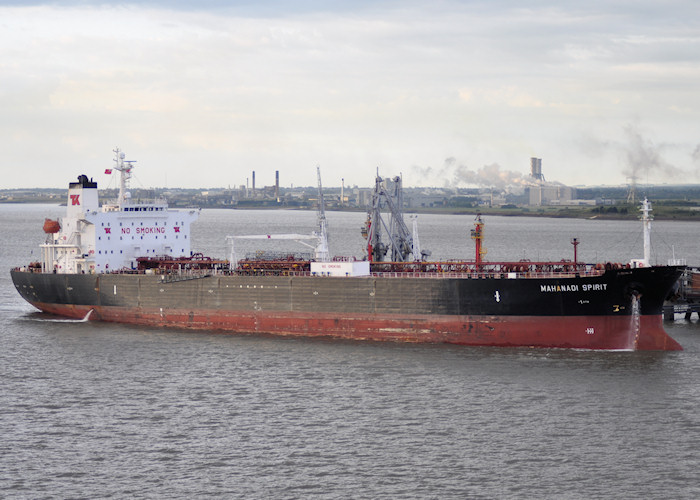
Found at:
(142, 205)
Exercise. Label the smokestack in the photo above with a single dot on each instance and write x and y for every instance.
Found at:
(277, 185)
(253, 183)
(536, 169)
(342, 191)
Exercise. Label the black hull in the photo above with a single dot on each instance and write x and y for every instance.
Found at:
(610, 293)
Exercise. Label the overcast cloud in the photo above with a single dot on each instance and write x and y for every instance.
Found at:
(202, 95)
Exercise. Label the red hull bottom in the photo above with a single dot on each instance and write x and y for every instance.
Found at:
(582, 332)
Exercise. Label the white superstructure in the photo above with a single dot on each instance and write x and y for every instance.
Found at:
(99, 239)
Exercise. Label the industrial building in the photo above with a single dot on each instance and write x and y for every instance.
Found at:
(542, 192)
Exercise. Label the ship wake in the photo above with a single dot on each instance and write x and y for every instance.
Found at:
(85, 319)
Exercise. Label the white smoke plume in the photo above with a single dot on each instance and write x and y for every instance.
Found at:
(645, 158)
(696, 154)
(453, 174)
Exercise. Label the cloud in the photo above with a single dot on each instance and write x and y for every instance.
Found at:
(346, 84)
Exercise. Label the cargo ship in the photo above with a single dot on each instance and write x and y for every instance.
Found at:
(130, 261)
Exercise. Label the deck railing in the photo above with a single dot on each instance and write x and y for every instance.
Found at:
(177, 275)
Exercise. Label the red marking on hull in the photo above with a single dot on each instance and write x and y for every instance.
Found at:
(583, 332)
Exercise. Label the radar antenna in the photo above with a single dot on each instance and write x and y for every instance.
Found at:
(124, 167)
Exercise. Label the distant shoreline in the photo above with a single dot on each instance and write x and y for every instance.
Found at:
(662, 210)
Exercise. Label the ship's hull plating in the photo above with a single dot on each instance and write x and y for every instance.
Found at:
(620, 309)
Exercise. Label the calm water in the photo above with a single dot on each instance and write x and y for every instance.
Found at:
(91, 410)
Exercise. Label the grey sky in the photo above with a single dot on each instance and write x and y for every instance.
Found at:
(200, 96)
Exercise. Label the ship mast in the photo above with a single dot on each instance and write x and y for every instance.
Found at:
(646, 222)
(124, 168)
(417, 256)
(322, 253)
(477, 235)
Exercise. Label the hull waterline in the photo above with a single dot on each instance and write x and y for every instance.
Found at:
(617, 333)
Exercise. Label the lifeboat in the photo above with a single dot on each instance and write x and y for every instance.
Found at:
(51, 226)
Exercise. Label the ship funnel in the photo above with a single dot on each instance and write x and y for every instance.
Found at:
(82, 197)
